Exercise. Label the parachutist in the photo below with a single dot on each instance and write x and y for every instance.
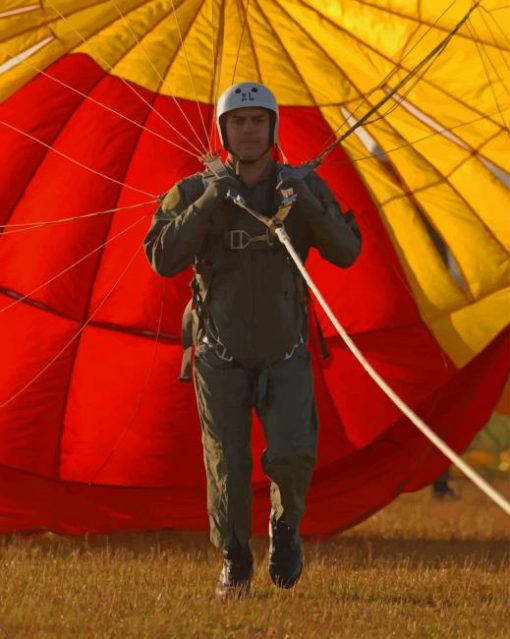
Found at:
(250, 322)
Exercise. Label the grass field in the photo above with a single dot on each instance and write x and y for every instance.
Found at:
(419, 568)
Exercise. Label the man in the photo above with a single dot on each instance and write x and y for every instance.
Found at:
(250, 326)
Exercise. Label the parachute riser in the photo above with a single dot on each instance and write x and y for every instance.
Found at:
(216, 169)
(435, 51)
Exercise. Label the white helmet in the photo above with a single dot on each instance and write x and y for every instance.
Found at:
(241, 96)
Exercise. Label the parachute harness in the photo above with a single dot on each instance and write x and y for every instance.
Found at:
(276, 227)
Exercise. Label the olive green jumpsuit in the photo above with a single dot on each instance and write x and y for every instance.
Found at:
(250, 330)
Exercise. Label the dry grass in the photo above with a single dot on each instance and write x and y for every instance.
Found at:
(417, 569)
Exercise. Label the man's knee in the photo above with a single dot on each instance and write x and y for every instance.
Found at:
(289, 463)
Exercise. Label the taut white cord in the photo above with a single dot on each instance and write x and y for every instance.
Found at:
(408, 412)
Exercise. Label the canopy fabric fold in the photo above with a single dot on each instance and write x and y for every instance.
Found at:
(105, 105)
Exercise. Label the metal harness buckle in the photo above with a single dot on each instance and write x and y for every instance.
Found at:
(239, 239)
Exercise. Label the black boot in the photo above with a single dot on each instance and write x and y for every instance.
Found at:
(237, 572)
(285, 554)
(441, 491)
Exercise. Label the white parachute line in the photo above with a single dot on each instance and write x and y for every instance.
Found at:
(74, 337)
(429, 28)
(77, 162)
(406, 91)
(241, 37)
(438, 130)
(430, 121)
(448, 134)
(71, 266)
(492, 34)
(416, 78)
(480, 50)
(136, 410)
(416, 73)
(467, 21)
(213, 137)
(389, 75)
(408, 412)
(217, 41)
(496, 24)
(213, 46)
(123, 80)
(29, 226)
(207, 148)
(88, 97)
(162, 80)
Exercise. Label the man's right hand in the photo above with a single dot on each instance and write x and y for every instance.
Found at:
(217, 190)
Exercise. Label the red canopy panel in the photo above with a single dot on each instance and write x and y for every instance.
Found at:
(96, 434)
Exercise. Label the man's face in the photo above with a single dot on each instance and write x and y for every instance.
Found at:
(248, 132)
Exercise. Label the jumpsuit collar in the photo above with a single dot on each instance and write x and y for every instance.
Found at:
(266, 175)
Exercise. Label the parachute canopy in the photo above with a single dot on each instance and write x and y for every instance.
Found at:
(105, 105)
